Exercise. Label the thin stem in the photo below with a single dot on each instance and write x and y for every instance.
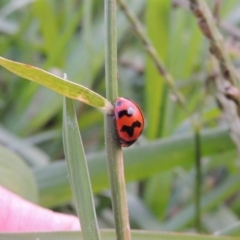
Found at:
(216, 11)
(111, 50)
(198, 180)
(113, 148)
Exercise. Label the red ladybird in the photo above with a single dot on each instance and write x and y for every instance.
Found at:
(129, 121)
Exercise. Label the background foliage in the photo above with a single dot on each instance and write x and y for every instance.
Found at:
(53, 35)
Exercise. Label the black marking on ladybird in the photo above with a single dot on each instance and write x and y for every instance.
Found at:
(124, 113)
(130, 129)
(129, 112)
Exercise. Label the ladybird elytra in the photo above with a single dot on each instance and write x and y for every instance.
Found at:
(129, 121)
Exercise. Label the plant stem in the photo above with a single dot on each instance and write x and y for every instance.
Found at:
(111, 50)
(113, 148)
(198, 180)
(209, 29)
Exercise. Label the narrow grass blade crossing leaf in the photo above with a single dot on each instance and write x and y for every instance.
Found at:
(109, 235)
(57, 84)
(78, 172)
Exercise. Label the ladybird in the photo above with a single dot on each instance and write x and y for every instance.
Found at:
(129, 121)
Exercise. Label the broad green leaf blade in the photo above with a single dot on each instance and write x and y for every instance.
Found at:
(48, 23)
(64, 38)
(157, 17)
(140, 162)
(57, 84)
(110, 235)
(78, 172)
(16, 176)
(34, 156)
(158, 203)
(189, 49)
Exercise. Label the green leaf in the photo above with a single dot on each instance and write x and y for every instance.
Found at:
(157, 17)
(57, 84)
(33, 155)
(48, 23)
(16, 176)
(161, 184)
(110, 235)
(78, 172)
(140, 162)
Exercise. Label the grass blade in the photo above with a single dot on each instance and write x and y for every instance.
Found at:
(78, 172)
(57, 84)
(109, 235)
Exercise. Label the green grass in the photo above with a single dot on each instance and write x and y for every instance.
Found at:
(59, 37)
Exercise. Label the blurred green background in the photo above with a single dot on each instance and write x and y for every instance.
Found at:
(66, 36)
